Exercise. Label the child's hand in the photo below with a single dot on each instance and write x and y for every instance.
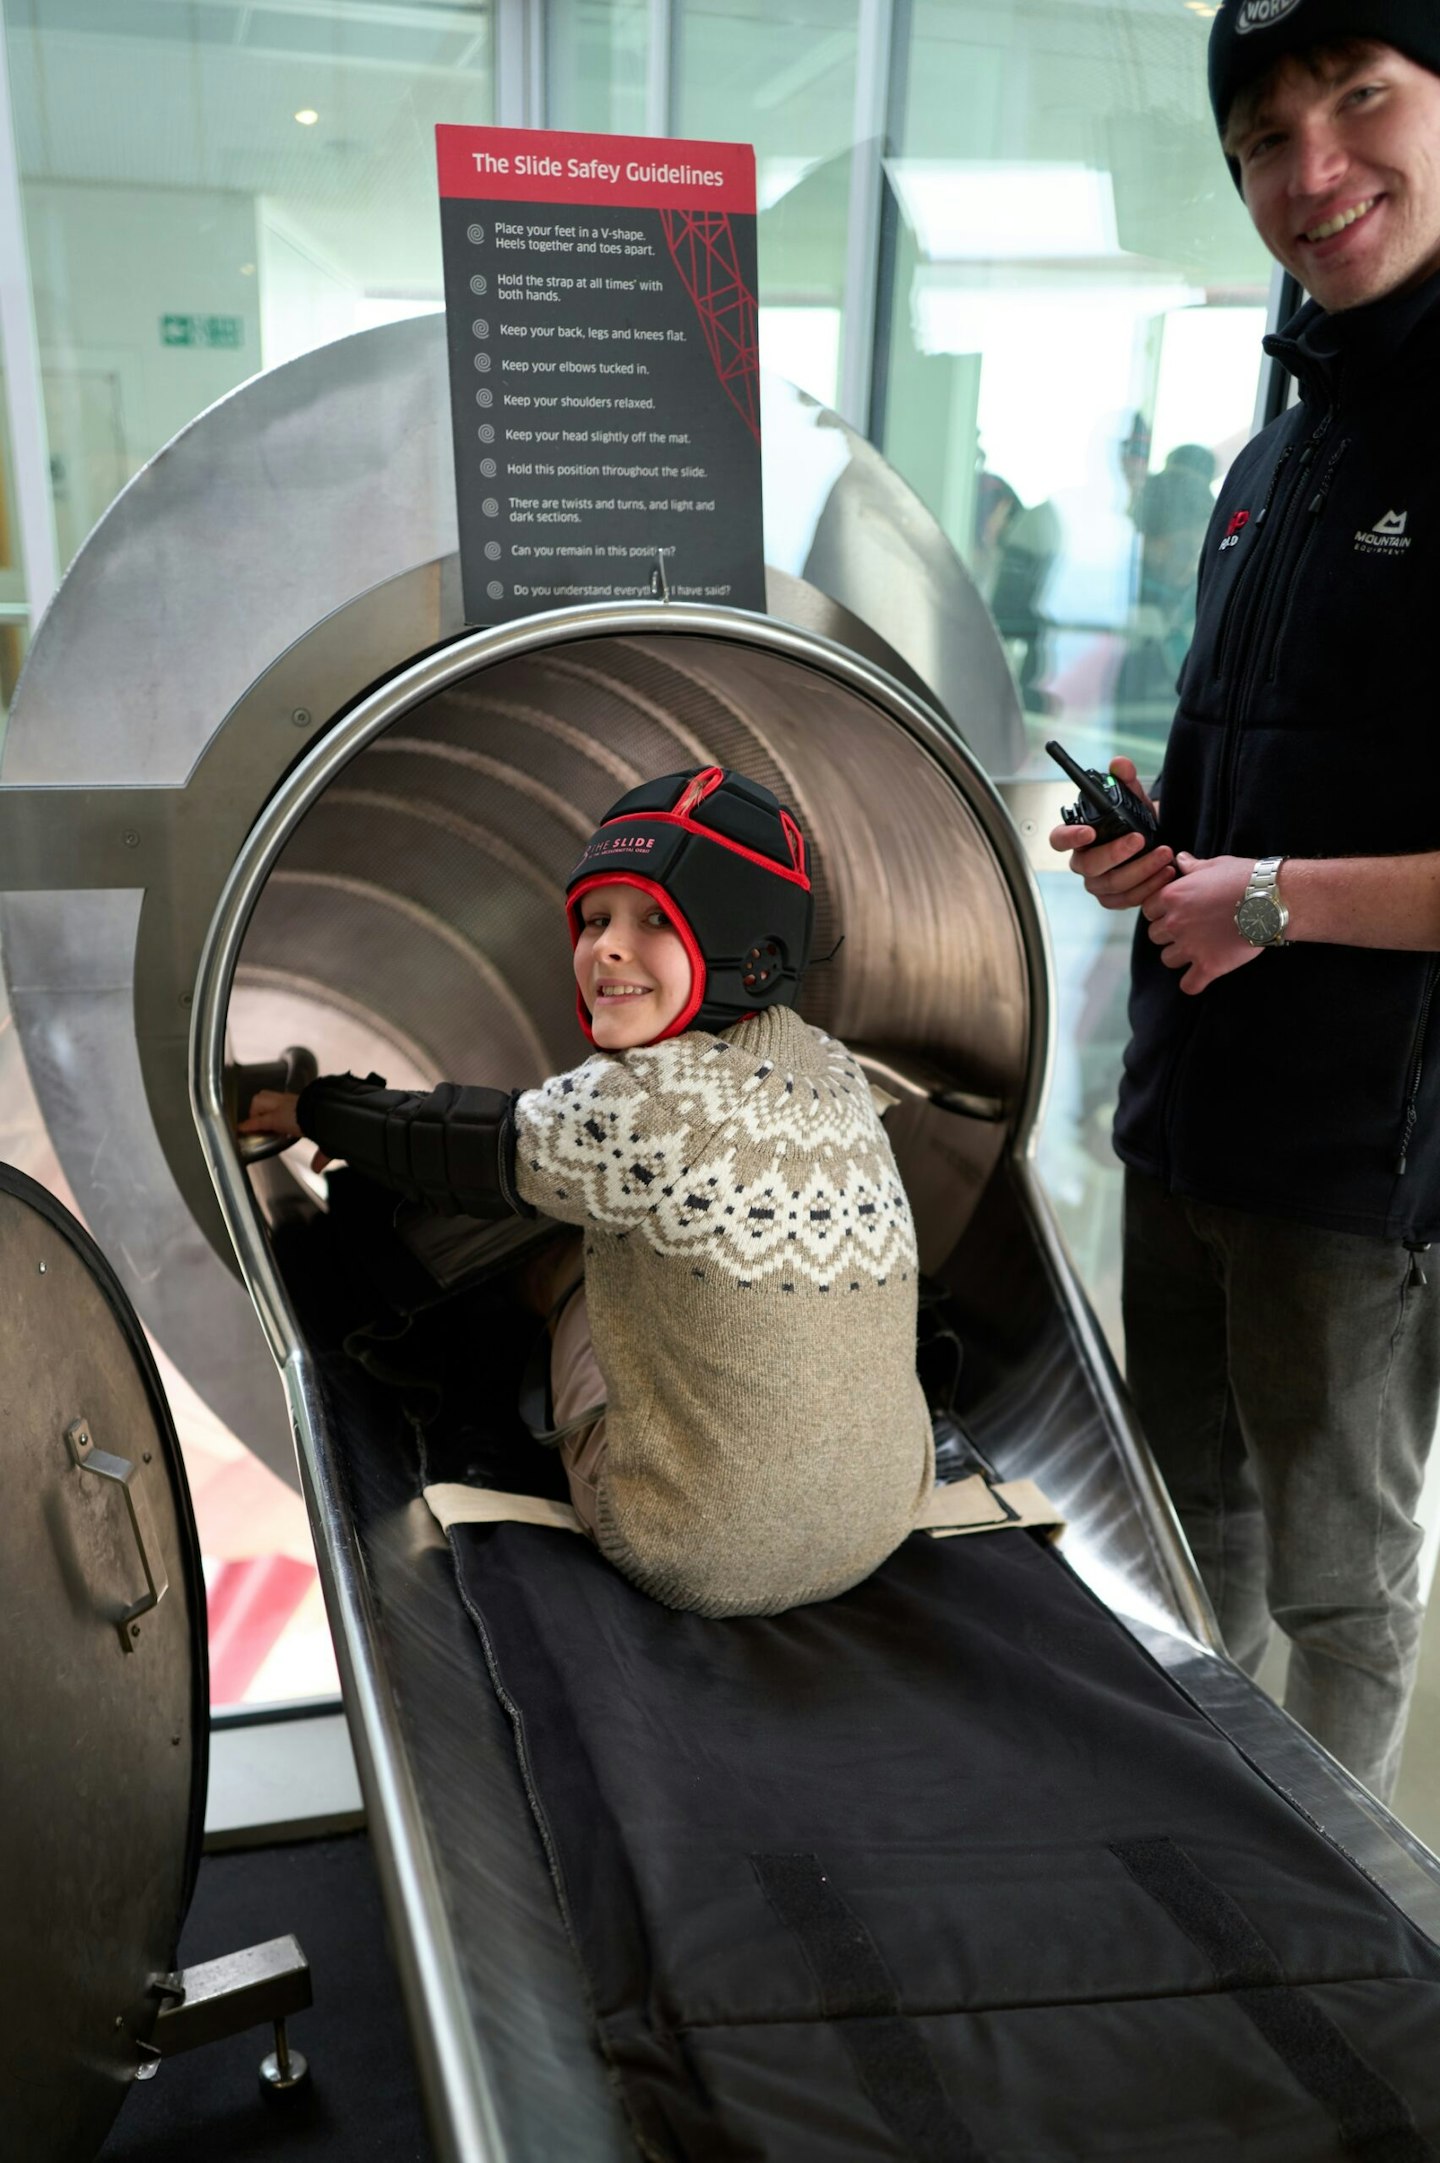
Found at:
(272, 1111)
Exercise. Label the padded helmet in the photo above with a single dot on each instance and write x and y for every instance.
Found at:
(727, 863)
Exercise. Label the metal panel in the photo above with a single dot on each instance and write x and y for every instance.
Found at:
(307, 486)
(102, 1688)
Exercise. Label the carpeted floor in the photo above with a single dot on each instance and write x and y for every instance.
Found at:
(361, 2103)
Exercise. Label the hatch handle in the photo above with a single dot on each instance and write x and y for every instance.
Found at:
(293, 1071)
(119, 1469)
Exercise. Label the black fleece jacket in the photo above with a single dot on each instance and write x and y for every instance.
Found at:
(1307, 1084)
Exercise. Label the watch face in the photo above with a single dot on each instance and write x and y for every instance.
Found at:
(1258, 919)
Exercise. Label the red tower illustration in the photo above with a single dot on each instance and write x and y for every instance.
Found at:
(702, 245)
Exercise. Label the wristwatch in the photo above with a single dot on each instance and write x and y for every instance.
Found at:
(1262, 916)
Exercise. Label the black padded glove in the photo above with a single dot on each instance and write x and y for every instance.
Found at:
(451, 1148)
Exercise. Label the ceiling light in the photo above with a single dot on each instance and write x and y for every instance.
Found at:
(962, 211)
(307, 116)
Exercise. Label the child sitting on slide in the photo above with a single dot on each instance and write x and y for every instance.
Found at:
(745, 1328)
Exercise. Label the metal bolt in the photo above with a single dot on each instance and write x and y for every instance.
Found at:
(283, 2067)
(146, 1456)
(187, 998)
(119, 2020)
(42, 1269)
(175, 1741)
(301, 717)
(131, 838)
(134, 1629)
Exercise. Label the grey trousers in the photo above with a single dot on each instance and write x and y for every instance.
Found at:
(1288, 1380)
(576, 1384)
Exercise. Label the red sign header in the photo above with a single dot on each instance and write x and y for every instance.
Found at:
(632, 172)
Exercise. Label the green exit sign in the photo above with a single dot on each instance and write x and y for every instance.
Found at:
(224, 331)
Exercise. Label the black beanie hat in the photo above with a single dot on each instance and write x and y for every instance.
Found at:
(727, 862)
(1249, 36)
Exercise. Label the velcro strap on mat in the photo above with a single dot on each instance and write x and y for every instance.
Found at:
(453, 1503)
(975, 1505)
(970, 1505)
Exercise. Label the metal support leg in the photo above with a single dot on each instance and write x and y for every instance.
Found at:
(225, 1997)
(283, 2068)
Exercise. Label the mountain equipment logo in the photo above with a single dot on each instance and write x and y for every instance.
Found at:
(1263, 15)
(1387, 537)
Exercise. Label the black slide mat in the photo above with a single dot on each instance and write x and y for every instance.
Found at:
(945, 1870)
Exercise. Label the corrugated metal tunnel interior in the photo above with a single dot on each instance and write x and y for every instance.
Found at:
(414, 922)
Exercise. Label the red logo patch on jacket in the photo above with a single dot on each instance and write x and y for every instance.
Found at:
(1235, 528)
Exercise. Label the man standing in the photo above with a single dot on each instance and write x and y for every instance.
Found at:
(1280, 1109)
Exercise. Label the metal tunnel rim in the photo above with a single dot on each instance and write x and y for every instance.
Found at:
(466, 656)
(455, 2075)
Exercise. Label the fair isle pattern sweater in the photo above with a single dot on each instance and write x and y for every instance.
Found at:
(751, 1276)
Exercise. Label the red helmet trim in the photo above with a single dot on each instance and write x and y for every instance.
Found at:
(688, 940)
(704, 784)
(797, 876)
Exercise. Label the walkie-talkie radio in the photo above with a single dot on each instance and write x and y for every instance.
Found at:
(1105, 803)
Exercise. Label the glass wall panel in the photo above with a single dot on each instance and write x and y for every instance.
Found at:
(1070, 352)
(1075, 302)
(14, 622)
(211, 188)
(781, 75)
(597, 58)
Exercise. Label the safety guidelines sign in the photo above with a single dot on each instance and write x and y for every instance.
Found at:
(604, 376)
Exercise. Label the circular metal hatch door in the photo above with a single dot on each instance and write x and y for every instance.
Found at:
(104, 1698)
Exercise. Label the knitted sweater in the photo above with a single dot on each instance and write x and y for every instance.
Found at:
(750, 1270)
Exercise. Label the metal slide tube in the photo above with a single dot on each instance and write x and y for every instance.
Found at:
(1125, 1540)
(455, 2075)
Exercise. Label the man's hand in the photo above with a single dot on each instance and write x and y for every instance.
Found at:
(272, 1111)
(1193, 920)
(1117, 873)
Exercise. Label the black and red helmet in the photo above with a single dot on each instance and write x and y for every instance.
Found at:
(727, 863)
